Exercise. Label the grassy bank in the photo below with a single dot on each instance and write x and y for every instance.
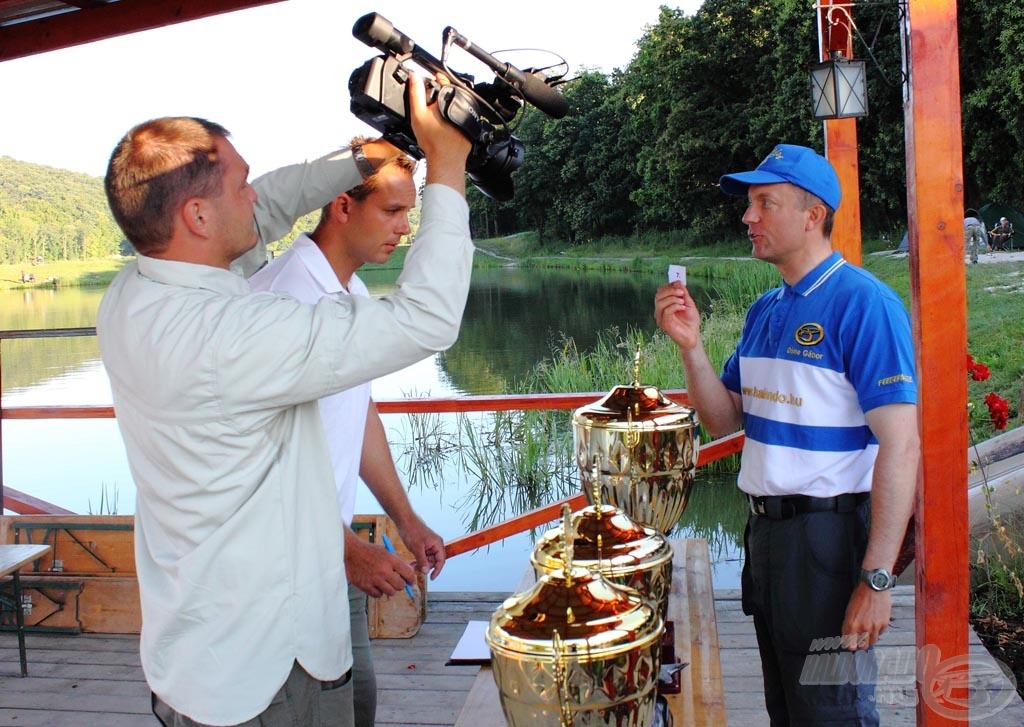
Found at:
(99, 272)
(60, 273)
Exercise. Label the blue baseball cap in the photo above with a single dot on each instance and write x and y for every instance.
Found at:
(797, 165)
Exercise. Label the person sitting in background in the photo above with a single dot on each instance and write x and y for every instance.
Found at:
(1001, 234)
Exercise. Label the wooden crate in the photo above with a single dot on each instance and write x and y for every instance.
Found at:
(87, 583)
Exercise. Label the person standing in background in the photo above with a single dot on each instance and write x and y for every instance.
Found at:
(362, 225)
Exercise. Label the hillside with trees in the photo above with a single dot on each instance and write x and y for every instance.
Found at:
(53, 214)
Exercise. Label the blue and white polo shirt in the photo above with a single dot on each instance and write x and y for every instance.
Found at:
(812, 358)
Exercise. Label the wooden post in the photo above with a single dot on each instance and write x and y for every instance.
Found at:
(841, 136)
(939, 306)
(841, 150)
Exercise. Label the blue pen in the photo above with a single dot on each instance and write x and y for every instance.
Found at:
(391, 549)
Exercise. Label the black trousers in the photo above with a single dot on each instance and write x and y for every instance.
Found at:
(798, 575)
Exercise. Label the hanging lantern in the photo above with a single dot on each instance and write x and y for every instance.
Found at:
(839, 88)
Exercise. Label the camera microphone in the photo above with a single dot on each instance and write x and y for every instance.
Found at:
(533, 88)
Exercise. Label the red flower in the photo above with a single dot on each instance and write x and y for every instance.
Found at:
(977, 370)
(998, 410)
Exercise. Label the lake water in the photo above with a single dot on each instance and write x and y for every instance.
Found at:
(513, 318)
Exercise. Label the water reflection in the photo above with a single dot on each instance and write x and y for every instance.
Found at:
(463, 471)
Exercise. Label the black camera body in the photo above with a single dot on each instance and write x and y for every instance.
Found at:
(482, 112)
(379, 98)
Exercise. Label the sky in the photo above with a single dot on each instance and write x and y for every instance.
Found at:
(277, 76)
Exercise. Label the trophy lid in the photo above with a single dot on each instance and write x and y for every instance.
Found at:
(607, 537)
(588, 614)
(576, 608)
(635, 406)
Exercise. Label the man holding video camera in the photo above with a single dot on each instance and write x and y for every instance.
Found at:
(238, 549)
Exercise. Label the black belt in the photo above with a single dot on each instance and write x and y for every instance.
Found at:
(783, 507)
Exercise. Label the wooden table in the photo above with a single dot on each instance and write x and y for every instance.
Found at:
(12, 559)
(691, 608)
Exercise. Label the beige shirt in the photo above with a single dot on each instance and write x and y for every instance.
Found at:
(238, 545)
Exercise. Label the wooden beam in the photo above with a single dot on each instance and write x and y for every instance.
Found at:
(25, 504)
(841, 135)
(841, 150)
(939, 307)
(107, 21)
(437, 404)
(57, 412)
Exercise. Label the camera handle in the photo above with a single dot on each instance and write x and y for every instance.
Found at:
(455, 103)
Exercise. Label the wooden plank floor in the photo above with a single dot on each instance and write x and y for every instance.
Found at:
(96, 681)
(896, 695)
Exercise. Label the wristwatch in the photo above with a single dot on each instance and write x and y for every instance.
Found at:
(365, 167)
(879, 579)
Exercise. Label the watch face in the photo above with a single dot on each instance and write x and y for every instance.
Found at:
(879, 580)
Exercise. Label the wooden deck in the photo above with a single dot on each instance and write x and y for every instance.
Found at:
(96, 681)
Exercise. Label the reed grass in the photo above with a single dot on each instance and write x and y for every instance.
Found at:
(107, 504)
(518, 461)
(996, 586)
(427, 447)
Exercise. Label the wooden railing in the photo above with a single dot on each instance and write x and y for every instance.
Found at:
(25, 504)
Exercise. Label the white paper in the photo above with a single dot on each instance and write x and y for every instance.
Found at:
(677, 272)
(472, 647)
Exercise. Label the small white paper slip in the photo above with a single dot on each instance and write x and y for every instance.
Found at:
(677, 272)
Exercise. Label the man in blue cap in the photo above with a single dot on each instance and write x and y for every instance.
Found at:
(823, 383)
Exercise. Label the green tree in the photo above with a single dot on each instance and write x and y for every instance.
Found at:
(537, 180)
(991, 34)
(596, 168)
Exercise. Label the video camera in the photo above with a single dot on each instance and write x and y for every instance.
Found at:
(482, 112)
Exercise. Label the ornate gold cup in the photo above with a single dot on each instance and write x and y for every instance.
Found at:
(621, 550)
(576, 650)
(640, 448)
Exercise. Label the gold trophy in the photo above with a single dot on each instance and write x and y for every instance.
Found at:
(576, 650)
(640, 449)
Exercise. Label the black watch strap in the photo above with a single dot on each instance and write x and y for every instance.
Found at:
(362, 163)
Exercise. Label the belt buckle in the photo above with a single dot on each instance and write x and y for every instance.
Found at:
(757, 505)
